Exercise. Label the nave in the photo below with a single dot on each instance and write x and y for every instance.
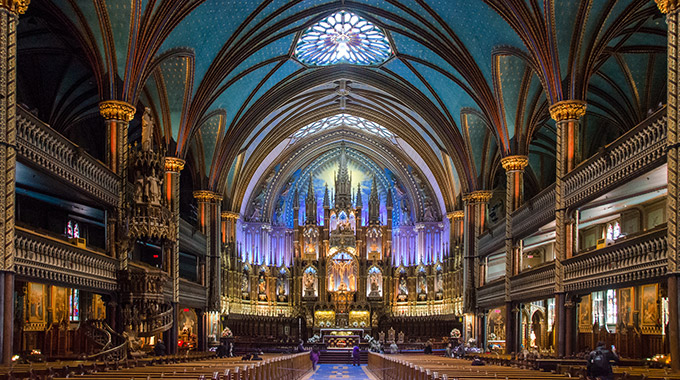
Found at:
(494, 177)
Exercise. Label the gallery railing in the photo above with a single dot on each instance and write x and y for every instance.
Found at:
(636, 259)
(44, 147)
(54, 260)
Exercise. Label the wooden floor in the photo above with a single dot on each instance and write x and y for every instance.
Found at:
(273, 366)
(427, 367)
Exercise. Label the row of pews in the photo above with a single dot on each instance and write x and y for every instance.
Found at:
(623, 373)
(428, 367)
(280, 367)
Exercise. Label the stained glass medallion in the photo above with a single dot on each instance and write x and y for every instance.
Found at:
(343, 37)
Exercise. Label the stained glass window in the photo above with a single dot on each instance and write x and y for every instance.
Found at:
(343, 37)
(74, 305)
(343, 120)
(611, 307)
(72, 230)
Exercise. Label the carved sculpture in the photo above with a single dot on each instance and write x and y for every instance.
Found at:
(147, 129)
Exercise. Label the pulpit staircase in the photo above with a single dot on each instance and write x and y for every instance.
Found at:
(111, 345)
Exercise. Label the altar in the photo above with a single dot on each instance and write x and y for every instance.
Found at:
(341, 338)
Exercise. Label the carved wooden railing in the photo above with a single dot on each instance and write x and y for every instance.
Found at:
(52, 152)
(116, 353)
(491, 294)
(96, 332)
(636, 259)
(54, 260)
(492, 240)
(157, 324)
(534, 283)
(637, 151)
(535, 213)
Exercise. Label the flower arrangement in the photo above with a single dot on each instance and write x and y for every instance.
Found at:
(455, 334)
(226, 333)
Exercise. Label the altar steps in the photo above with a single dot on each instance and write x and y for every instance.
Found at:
(340, 357)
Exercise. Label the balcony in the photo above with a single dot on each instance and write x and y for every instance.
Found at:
(45, 148)
(491, 294)
(54, 260)
(532, 284)
(636, 259)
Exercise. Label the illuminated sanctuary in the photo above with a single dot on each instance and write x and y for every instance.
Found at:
(183, 175)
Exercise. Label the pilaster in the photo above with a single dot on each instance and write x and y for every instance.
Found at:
(514, 188)
(566, 114)
(475, 214)
(672, 9)
(9, 18)
(209, 205)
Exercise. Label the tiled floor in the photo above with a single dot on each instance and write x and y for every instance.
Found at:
(339, 371)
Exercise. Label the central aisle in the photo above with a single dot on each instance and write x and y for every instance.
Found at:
(339, 371)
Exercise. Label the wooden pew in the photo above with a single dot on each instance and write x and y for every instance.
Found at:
(279, 367)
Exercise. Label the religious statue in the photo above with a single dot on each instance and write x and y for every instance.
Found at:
(262, 287)
(400, 338)
(422, 287)
(139, 187)
(154, 189)
(439, 281)
(405, 213)
(133, 341)
(147, 130)
(244, 284)
(390, 334)
(352, 282)
(257, 211)
(403, 289)
(422, 284)
(428, 214)
(308, 280)
(381, 337)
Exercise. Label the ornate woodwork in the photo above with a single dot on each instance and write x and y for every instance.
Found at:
(53, 260)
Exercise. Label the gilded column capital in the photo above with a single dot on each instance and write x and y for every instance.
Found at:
(16, 6)
(479, 196)
(458, 214)
(230, 215)
(568, 110)
(207, 196)
(514, 163)
(116, 110)
(667, 6)
(174, 164)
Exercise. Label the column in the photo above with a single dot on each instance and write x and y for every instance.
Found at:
(514, 195)
(230, 276)
(209, 216)
(9, 18)
(567, 114)
(117, 116)
(671, 9)
(173, 166)
(473, 222)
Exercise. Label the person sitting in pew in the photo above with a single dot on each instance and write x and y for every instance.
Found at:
(428, 348)
(449, 351)
(599, 362)
(222, 350)
(477, 361)
(159, 349)
(247, 357)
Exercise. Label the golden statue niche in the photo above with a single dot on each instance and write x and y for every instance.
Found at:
(342, 273)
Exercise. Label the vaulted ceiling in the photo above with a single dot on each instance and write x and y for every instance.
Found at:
(468, 82)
